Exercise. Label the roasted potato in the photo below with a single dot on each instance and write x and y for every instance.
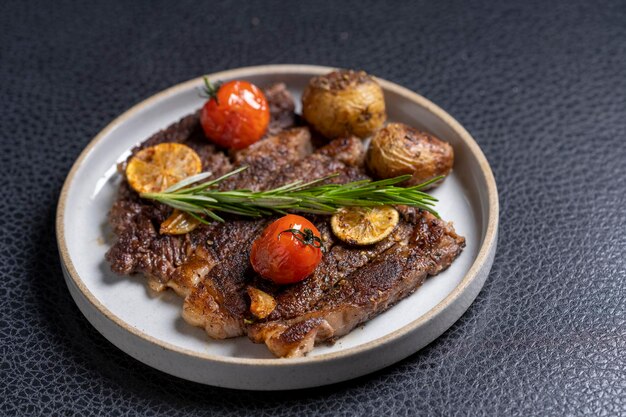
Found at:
(344, 102)
(398, 149)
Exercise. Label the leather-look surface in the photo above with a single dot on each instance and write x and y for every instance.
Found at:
(540, 85)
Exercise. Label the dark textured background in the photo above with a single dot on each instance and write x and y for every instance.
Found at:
(541, 87)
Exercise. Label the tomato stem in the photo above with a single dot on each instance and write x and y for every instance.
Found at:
(211, 89)
(305, 237)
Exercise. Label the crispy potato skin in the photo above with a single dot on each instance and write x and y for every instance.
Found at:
(398, 149)
(344, 102)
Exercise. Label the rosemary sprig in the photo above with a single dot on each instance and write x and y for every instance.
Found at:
(203, 199)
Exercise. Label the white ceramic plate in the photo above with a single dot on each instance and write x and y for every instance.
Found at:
(149, 327)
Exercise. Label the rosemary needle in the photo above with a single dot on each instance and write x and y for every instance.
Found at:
(199, 198)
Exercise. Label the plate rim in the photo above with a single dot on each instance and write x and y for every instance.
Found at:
(486, 247)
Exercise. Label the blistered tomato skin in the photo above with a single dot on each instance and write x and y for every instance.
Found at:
(236, 115)
(285, 256)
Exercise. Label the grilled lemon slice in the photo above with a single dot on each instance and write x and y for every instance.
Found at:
(158, 167)
(364, 225)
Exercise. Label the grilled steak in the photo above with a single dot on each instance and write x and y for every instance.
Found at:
(429, 248)
(210, 266)
(218, 300)
(139, 247)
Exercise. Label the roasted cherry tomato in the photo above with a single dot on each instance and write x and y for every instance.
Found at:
(287, 251)
(235, 115)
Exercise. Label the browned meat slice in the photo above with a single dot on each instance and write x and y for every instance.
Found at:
(218, 302)
(430, 248)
